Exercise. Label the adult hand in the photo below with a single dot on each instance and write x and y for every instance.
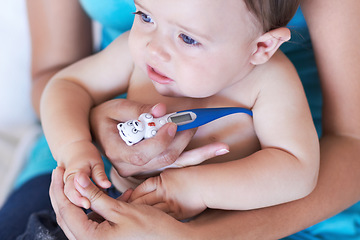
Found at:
(120, 220)
(160, 151)
(173, 192)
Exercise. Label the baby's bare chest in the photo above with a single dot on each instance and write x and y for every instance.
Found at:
(236, 130)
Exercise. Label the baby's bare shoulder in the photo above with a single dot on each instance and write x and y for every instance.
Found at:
(278, 74)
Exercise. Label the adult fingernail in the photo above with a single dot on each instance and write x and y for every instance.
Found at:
(153, 108)
(172, 129)
(221, 152)
(83, 182)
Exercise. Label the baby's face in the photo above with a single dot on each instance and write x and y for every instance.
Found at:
(193, 48)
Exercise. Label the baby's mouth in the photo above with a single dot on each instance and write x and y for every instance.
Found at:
(157, 76)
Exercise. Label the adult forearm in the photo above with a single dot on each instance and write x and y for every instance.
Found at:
(38, 87)
(58, 39)
(338, 173)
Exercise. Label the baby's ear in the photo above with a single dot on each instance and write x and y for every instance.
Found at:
(268, 43)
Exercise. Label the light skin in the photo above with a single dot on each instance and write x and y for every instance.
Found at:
(51, 54)
(128, 219)
(253, 75)
(67, 38)
(337, 22)
(61, 43)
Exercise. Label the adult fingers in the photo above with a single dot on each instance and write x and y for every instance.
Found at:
(125, 197)
(122, 110)
(73, 195)
(148, 149)
(158, 110)
(172, 152)
(106, 116)
(106, 133)
(183, 159)
(101, 203)
(145, 193)
(99, 219)
(67, 214)
(199, 155)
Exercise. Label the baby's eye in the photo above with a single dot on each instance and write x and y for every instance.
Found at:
(188, 40)
(144, 17)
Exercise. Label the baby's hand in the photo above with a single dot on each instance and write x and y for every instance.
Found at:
(72, 185)
(71, 192)
(172, 192)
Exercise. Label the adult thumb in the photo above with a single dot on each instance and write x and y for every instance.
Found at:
(100, 202)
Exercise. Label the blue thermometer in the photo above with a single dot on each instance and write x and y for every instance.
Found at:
(197, 117)
(133, 131)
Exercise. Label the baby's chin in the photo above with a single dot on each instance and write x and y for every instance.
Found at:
(167, 92)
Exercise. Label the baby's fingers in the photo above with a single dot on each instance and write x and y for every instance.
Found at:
(73, 195)
(101, 203)
(99, 176)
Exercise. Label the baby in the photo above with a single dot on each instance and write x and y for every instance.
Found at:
(197, 54)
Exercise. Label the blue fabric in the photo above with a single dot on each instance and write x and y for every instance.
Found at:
(40, 161)
(31, 197)
(115, 16)
(28, 213)
(42, 225)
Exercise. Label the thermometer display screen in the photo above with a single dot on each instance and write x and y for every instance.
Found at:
(181, 118)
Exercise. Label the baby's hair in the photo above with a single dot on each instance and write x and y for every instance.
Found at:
(272, 14)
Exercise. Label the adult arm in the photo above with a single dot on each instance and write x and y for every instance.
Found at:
(60, 35)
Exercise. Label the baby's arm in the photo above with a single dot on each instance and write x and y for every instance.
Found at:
(283, 170)
(65, 107)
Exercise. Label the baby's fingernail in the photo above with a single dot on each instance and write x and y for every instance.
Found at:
(172, 130)
(221, 152)
(86, 204)
(107, 184)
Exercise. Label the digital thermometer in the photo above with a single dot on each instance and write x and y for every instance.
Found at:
(133, 131)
